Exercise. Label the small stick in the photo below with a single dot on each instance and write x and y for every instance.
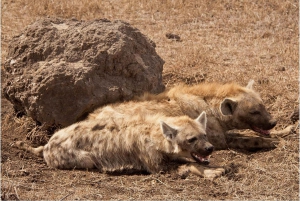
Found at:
(66, 196)
(16, 193)
(162, 183)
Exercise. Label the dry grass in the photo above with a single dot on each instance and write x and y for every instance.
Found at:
(220, 41)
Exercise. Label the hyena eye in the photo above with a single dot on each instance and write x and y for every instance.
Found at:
(191, 140)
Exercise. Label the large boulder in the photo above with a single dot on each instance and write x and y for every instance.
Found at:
(59, 70)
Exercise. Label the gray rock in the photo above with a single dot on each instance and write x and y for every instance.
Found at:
(59, 70)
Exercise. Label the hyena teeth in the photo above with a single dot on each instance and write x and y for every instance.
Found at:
(202, 159)
(261, 131)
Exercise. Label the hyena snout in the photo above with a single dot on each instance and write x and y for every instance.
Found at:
(273, 123)
(209, 148)
(266, 120)
(268, 124)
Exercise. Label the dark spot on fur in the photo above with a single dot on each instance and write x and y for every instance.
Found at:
(147, 140)
(76, 128)
(54, 138)
(72, 156)
(246, 140)
(87, 140)
(98, 127)
(78, 144)
(88, 146)
(256, 143)
(229, 140)
(57, 144)
(84, 144)
(46, 148)
(112, 128)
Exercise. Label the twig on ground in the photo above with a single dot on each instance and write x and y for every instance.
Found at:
(67, 196)
(16, 193)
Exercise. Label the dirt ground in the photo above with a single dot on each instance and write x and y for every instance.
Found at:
(219, 41)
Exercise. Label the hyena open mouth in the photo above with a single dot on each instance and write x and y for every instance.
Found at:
(201, 159)
(265, 133)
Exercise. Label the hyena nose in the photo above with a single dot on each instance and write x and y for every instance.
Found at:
(209, 149)
(273, 123)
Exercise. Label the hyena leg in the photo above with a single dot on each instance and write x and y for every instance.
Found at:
(199, 170)
(36, 151)
(283, 133)
(251, 143)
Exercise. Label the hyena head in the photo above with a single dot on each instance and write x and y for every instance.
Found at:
(190, 139)
(247, 111)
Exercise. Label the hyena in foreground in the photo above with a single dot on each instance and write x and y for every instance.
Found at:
(228, 106)
(143, 142)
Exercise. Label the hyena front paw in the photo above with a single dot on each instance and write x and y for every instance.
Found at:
(283, 133)
(212, 173)
(183, 172)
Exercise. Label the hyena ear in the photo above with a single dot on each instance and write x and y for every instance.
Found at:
(169, 132)
(202, 119)
(228, 106)
(250, 84)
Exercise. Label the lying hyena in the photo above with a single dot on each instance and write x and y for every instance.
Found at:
(228, 106)
(145, 142)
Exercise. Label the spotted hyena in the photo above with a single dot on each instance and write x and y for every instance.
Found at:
(228, 106)
(142, 142)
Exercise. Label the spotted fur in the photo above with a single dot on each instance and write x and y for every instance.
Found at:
(228, 106)
(142, 142)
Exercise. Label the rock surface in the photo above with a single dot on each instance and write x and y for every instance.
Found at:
(59, 70)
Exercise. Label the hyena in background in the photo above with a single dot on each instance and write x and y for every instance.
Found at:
(228, 107)
(142, 142)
